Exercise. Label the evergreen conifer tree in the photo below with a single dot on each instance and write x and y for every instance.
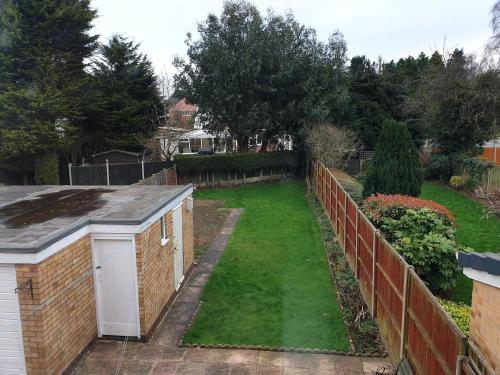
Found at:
(43, 47)
(395, 167)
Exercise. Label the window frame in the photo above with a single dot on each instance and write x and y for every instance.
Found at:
(163, 230)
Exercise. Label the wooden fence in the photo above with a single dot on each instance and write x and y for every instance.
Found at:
(412, 323)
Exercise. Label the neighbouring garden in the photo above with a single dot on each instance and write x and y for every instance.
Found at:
(473, 229)
(272, 286)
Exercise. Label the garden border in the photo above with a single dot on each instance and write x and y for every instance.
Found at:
(412, 323)
(339, 298)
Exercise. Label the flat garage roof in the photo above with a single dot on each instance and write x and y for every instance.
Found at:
(34, 217)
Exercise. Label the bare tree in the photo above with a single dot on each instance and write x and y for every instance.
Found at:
(332, 145)
(165, 131)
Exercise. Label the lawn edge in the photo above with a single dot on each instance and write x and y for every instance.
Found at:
(182, 344)
(310, 196)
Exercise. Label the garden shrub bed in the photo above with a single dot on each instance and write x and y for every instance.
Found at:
(363, 331)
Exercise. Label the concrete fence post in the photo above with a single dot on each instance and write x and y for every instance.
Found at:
(107, 172)
(142, 168)
(70, 176)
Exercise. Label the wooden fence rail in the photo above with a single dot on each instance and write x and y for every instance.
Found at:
(412, 323)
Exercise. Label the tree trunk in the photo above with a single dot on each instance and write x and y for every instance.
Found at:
(242, 143)
(265, 142)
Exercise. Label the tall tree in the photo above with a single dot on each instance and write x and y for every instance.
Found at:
(368, 101)
(458, 103)
(395, 167)
(252, 75)
(44, 46)
(222, 75)
(127, 92)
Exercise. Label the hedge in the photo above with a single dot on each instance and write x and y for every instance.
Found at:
(190, 164)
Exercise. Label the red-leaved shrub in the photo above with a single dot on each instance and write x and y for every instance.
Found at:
(393, 206)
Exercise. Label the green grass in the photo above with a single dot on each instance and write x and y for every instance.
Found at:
(272, 285)
(481, 234)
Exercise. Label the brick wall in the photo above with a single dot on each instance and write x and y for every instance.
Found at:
(485, 322)
(65, 320)
(155, 268)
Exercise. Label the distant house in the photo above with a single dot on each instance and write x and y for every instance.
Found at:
(183, 114)
(121, 157)
(87, 262)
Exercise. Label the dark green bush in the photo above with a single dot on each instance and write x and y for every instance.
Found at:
(353, 188)
(427, 242)
(395, 167)
(439, 167)
(190, 164)
(47, 169)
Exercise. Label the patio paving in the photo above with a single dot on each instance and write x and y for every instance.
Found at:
(163, 356)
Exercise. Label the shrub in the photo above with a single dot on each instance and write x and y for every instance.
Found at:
(460, 313)
(475, 169)
(439, 167)
(47, 169)
(395, 167)
(458, 182)
(422, 232)
(394, 206)
(354, 189)
(332, 145)
(237, 162)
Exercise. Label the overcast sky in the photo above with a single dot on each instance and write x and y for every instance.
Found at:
(387, 28)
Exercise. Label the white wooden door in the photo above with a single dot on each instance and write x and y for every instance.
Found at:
(11, 336)
(178, 248)
(116, 287)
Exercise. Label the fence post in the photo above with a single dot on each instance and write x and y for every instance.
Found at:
(107, 172)
(404, 318)
(345, 222)
(142, 168)
(357, 245)
(70, 177)
(336, 208)
(376, 233)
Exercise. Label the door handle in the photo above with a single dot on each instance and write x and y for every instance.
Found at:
(98, 267)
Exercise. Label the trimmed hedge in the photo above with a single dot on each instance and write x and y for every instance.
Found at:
(190, 164)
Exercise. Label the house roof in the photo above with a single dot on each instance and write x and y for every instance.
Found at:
(34, 217)
(486, 262)
(184, 106)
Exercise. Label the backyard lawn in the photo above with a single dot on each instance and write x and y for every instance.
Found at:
(272, 286)
(481, 234)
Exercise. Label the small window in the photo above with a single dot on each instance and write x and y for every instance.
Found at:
(163, 230)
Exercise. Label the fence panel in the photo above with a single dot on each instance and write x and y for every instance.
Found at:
(341, 216)
(366, 237)
(89, 175)
(125, 174)
(350, 237)
(434, 342)
(389, 290)
(411, 321)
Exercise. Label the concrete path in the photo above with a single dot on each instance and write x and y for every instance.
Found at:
(163, 356)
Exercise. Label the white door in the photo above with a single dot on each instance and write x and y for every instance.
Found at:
(11, 336)
(178, 248)
(116, 287)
